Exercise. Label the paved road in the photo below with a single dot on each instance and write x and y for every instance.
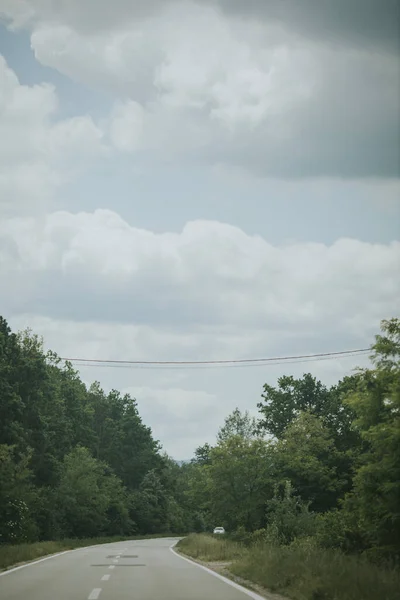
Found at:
(134, 570)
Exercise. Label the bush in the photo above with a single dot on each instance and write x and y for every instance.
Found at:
(331, 530)
(259, 536)
(241, 535)
(288, 517)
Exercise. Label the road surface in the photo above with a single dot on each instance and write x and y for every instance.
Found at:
(134, 570)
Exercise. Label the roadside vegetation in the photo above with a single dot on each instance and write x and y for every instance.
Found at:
(309, 492)
(300, 571)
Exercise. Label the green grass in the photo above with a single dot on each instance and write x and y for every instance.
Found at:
(300, 572)
(13, 554)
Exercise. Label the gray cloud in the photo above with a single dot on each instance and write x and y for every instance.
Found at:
(369, 23)
(353, 22)
(207, 86)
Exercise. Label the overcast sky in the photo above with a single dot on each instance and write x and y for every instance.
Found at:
(199, 180)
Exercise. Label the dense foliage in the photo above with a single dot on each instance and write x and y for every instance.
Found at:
(75, 461)
(321, 465)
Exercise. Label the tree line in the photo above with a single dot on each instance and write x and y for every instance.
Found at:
(74, 460)
(320, 464)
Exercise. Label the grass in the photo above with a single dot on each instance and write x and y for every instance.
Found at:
(301, 571)
(210, 549)
(14, 554)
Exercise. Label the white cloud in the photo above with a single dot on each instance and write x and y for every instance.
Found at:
(37, 152)
(126, 126)
(209, 273)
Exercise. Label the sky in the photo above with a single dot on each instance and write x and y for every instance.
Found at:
(200, 180)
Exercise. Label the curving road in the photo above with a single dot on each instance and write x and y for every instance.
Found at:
(134, 570)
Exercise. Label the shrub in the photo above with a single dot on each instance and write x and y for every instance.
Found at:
(288, 517)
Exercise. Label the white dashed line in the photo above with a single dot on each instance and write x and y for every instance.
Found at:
(119, 556)
(111, 567)
(115, 560)
(105, 577)
(94, 594)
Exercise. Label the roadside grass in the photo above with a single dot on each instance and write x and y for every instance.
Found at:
(14, 554)
(211, 549)
(301, 571)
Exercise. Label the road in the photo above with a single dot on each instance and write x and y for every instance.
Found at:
(134, 570)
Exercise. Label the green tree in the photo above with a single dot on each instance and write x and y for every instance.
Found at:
(306, 456)
(11, 405)
(375, 499)
(238, 424)
(240, 482)
(288, 516)
(120, 437)
(280, 406)
(17, 497)
(90, 497)
(150, 505)
(202, 455)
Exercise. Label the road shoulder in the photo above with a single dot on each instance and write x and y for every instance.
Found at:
(222, 570)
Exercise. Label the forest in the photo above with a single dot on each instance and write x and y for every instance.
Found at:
(319, 463)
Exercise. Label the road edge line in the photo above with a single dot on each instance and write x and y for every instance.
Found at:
(39, 560)
(239, 587)
(34, 562)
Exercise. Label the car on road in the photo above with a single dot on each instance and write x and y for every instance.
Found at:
(219, 530)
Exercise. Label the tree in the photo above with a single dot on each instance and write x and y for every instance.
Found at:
(11, 405)
(281, 406)
(288, 516)
(202, 455)
(85, 453)
(17, 497)
(238, 424)
(121, 439)
(90, 497)
(240, 482)
(150, 505)
(306, 456)
(375, 500)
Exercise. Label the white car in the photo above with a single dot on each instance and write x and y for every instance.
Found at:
(219, 530)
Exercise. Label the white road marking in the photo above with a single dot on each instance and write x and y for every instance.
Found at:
(40, 560)
(105, 577)
(115, 560)
(111, 567)
(118, 556)
(94, 594)
(33, 563)
(249, 593)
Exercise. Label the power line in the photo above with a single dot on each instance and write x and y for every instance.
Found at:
(215, 366)
(250, 362)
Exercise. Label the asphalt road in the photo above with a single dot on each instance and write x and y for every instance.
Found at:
(134, 570)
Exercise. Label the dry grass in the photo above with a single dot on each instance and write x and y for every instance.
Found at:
(210, 549)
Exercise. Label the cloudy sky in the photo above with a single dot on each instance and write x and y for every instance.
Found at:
(194, 180)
